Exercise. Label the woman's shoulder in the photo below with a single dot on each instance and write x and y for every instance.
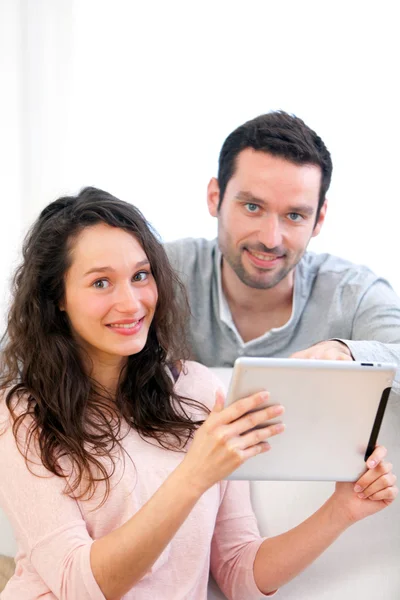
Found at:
(199, 383)
(12, 409)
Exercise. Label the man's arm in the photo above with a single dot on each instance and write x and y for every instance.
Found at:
(375, 332)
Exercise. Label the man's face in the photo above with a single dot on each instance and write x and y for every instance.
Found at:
(267, 216)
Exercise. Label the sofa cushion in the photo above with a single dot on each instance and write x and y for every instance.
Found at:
(7, 566)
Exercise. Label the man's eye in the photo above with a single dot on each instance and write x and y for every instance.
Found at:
(141, 276)
(295, 217)
(101, 284)
(251, 207)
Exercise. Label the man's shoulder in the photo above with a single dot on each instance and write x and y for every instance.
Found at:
(190, 253)
(329, 266)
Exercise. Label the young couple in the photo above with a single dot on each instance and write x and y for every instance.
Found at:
(114, 448)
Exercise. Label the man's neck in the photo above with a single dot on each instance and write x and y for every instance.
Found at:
(256, 311)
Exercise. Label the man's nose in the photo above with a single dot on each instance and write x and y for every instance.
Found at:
(270, 232)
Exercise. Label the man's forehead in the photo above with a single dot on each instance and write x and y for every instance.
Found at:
(260, 162)
(264, 176)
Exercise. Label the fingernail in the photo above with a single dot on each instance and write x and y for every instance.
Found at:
(357, 488)
(280, 427)
(361, 495)
(264, 395)
(372, 464)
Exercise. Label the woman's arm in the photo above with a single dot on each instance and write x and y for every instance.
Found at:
(55, 539)
(121, 558)
(281, 558)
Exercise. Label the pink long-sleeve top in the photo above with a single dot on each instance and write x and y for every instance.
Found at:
(55, 532)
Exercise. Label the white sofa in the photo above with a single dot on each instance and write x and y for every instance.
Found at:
(7, 541)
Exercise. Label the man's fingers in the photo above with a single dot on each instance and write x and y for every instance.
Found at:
(328, 350)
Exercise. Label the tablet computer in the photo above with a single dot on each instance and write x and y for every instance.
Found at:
(333, 413)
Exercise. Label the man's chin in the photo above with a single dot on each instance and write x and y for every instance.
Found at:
(266, 281)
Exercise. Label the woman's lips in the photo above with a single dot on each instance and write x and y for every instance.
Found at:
(126, 327)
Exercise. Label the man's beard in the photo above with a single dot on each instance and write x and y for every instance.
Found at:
(266, 280)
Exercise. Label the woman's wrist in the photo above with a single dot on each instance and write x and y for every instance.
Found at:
(190, 480)
(340, 516)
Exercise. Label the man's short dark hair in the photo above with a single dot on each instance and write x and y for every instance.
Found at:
(280, 134)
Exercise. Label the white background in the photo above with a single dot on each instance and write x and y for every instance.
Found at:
(137, 98)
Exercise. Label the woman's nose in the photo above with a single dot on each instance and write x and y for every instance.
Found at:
(128, 298)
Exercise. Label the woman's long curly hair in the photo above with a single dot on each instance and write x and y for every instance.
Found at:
(68, 414)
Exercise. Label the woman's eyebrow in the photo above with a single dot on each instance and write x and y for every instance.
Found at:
(109, 269)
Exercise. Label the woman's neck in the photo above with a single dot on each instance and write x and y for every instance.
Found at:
(106, 371)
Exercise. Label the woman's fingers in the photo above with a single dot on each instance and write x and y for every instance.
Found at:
(254, 450)
(376, 467)
(378, 480)
(219, 401)
(237, 409)
(257, 436)
(388, 494)
(376, 457)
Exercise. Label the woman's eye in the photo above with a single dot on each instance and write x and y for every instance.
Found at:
(251, 207)
(295, 216)
(141, 276)
(101, 284)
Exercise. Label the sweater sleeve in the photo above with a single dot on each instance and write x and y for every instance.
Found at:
(48, 525)
(235, 543)
(376, 327)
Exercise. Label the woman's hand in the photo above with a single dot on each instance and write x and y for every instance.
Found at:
(374, 490)
(224, 441)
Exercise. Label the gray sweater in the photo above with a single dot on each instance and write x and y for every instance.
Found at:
(333, 299)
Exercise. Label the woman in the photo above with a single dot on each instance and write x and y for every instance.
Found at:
(113, 459)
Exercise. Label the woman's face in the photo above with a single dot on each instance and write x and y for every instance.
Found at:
(110, 293)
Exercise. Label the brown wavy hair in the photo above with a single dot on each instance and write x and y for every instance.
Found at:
(69, 415)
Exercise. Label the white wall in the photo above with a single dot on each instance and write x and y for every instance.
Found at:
(10, 144)
(137, 98)
(11, 169)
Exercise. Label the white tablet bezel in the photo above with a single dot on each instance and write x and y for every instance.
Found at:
(333, 413)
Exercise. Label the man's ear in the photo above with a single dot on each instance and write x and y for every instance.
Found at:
(321, 218)
(213, 197)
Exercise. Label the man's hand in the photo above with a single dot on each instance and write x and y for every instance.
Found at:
(329, 350)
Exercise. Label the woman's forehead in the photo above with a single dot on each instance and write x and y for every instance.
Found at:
(102, 245)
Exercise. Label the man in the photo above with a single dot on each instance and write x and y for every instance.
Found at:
(256, 291)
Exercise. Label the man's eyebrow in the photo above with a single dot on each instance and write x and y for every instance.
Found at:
(303, 209)
(247, 197)
(109, 269)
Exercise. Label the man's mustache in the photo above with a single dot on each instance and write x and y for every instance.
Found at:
(259, 247)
